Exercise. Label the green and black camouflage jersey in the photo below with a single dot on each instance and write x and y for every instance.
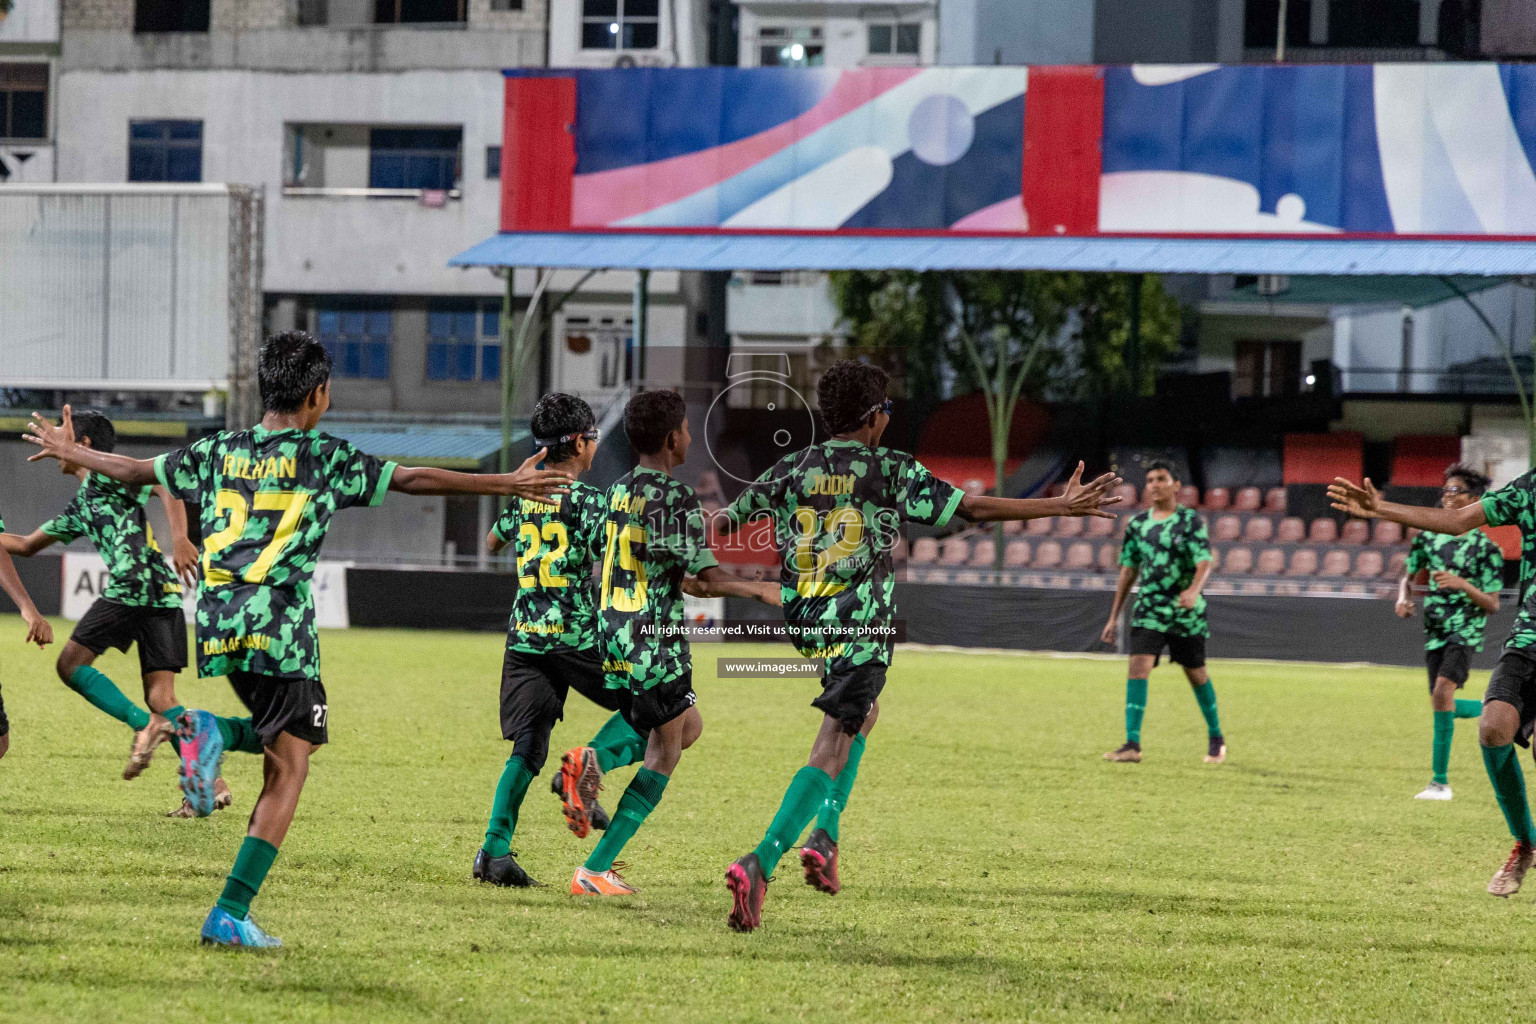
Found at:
(555, 545)
(266, 499)
(653, 535)
(111, 516)
(1450, 617)
(1515, 504)
(837, 510)
(1165, 552)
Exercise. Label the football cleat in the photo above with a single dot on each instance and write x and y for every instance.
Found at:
(222, 798)
(819, 858)
(601, 883)
(1215, 752)
(1434, 791)
(1506, 881)
(144, 743)
(222, 928)
(748, 886)
(503, 871)
(1125, 752)
(202, 748)
(578, 792)
(595, 813)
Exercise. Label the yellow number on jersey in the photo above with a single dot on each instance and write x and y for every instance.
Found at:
(846, 526)
(621, 542)
(290, 503)
(554, 532)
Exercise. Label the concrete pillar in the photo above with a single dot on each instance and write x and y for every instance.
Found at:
(1429, 22)
(1317, 29)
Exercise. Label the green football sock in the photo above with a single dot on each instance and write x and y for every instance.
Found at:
(510, 791)
(638, 801)
(1205, 696)
(1509, 787)
(1445, 731)
(1469, 708)
(238, 734)
(1135, 707)
(807, 791)
(832, 807)
(617, 744)
(245, 878)
(104, 695)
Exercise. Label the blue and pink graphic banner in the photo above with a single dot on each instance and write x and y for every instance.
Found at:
(1258, 150)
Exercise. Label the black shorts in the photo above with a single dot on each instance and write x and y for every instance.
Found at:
(161, 634)
(848, 692)
(1453, 661)
(1188, 651)
(5, 723)
(295, 706)
(533, 691)
(663, 702)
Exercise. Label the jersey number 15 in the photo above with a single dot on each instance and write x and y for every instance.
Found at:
(620, 547)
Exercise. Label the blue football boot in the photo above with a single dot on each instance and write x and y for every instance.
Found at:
(202, 748)
(225, 929)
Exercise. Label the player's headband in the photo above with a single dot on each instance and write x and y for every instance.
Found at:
(594, 435)
(881, 406)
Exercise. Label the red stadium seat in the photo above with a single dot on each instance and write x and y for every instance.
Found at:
(1271, 562)
(1013, 527)
(1226, 528)
(1396, 564)
(1336, 563)
(1323, 531)
(1038, 527)
(1386, 533)
(1239, 562)
(925, 551)
(1079, 556)
(1354, 532)
(1303, 563)
(1274, 499)
(1108, 559)
(982, 554)
(1369, 565)
(1016, 554)
(1189, 495)
(1258, 531)
(1217, 499)
(1292, 530)
(1249, 499)
(1093, 526)
(1069, 526)
(1047, 555)
(954, 551)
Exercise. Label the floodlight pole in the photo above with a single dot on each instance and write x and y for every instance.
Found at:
(642, 323)
(1280, 33)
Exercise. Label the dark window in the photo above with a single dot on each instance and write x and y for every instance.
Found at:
(464, 342)
(165, 151)
(23, 101)
(1261, 18)
(414, 157)
(1266, 369)
(402, 12)
(357, 339)
(620, 24)
(493, 162)
(506, 5)
(170, 15)
(1373, 23)
(894, 39)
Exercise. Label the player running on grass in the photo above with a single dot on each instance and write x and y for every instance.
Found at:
(1168, 548)
(1466, 574)
(654, 533)
(266, 497)
(552, 642)
(141, 603)
(837, 508)
(38, 630)
(1509, 704)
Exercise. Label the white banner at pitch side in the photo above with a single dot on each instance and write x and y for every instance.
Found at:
(85, 576)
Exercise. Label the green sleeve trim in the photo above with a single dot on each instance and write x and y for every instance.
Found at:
(377, 498)
(58, 533)
(1491, 511)
(705, 560)
(160, 471)
(949, 509)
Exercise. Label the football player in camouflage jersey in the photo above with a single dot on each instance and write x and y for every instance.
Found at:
(653, 535)
(38, 630)
(837, 509)
(552, 643)
(1168, 549)
(140, 604)
(266, 496)
(1464, 575)
(1509, 703)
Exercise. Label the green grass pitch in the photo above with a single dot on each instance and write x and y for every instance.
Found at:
(995, 868)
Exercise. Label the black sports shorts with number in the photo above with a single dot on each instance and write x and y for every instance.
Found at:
(161, 633)
(1188, 651)
(660, 704)
(848, 692)
(1453, 662)
(295, 706)
(533, 691)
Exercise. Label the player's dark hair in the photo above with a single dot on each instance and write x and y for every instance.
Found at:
(650, 416)
(1165, 466)
(848, 391)
(557, 415)
(292, 364)
(92, 426)
(1476, 482)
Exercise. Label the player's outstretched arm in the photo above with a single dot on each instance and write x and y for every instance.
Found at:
(24, 547)
(183, 552)
(527, 481)
(38, 630)
(1365, 502)
(718, 582)
(58, 442)
(1080, 499)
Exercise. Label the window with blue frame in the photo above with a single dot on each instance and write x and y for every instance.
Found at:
(165, 151)
(464, 342)
(358, 341)
(414, 157)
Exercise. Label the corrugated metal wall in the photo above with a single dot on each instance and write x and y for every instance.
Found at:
(127, 287)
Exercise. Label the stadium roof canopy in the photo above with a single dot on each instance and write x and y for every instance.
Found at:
(717, 250)
(450, 446)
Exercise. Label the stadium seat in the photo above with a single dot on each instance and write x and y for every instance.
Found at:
(1387, 533)
(1038, 527)
(1258, 531)
(1287, 588)
(1336, 563)
(1079, 556)
(1354, 532)
(1227, 528)
(1128, 496)
(983, 552)
(1321, 588)
(1069, 526)
(1096, 527)
(1252, 587)
(1047, 555)
(954, 551)
(1218, 499)
(1323, 531)
(925, 551)
(1303, 562)
(1013, 527)
(1369, 565)
(1016, 554)
(1248, 499)
(1292, 530)
(1271, 562)
(1274, 499)
(1239, 562)
(1396, 564)
(1410, 533)
(1189, 495)
(1109, 557)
